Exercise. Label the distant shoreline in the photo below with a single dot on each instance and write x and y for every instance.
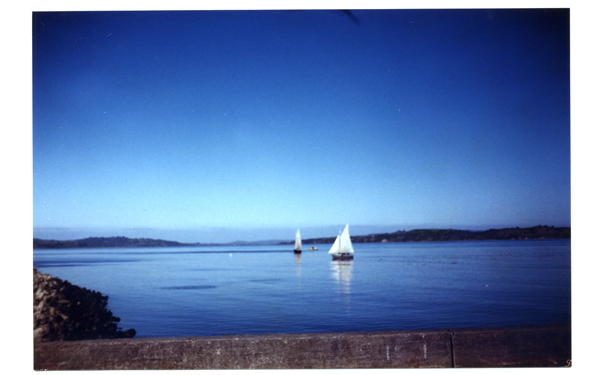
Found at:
(432, 235)
(416, 235)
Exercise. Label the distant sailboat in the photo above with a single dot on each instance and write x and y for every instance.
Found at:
(342, 247)
(298, 245)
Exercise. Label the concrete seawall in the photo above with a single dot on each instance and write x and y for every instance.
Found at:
(543, 346)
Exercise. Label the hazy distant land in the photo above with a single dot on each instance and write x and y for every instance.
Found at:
(105, 242)
(417, 235)
(425, 235)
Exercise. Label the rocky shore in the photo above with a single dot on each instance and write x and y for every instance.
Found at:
(66, 312)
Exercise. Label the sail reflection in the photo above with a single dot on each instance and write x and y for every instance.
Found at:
(342, 272)
(298, 258)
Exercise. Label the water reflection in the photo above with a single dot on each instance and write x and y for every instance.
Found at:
(298, 258)
(342, 272)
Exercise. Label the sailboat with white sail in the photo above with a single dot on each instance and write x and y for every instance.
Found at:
(298, 244)
(342, 247)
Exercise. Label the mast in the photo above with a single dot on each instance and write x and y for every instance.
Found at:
(345, 242)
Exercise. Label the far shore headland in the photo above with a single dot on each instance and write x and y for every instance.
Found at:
(416, 235)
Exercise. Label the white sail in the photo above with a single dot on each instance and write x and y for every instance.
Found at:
(345, 243)
(336, 246)
(342, 247)
(298, 245)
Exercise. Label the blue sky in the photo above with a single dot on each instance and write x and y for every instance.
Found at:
(218, 126)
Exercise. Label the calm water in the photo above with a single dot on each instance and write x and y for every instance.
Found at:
(221, 290)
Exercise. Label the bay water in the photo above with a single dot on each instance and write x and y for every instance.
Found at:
(225, 290)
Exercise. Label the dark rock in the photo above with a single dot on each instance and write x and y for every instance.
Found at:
(63, 311)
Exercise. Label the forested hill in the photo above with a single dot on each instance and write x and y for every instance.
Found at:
(417, 235)
(105, 242)
(422, 235)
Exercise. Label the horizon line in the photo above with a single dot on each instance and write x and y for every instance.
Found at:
(312, 238)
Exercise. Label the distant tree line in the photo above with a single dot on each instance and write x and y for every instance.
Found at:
(423, 235)
(416, 235)
(105, 242)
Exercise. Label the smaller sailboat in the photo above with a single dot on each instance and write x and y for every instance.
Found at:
(342, 247)
(298, 244)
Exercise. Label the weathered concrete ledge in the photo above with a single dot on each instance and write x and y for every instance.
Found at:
(543, 346)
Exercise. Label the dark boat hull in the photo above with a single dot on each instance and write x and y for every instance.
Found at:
(343, 256)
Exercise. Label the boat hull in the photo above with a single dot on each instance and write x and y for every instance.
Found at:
(343, 256)
(297, 251)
